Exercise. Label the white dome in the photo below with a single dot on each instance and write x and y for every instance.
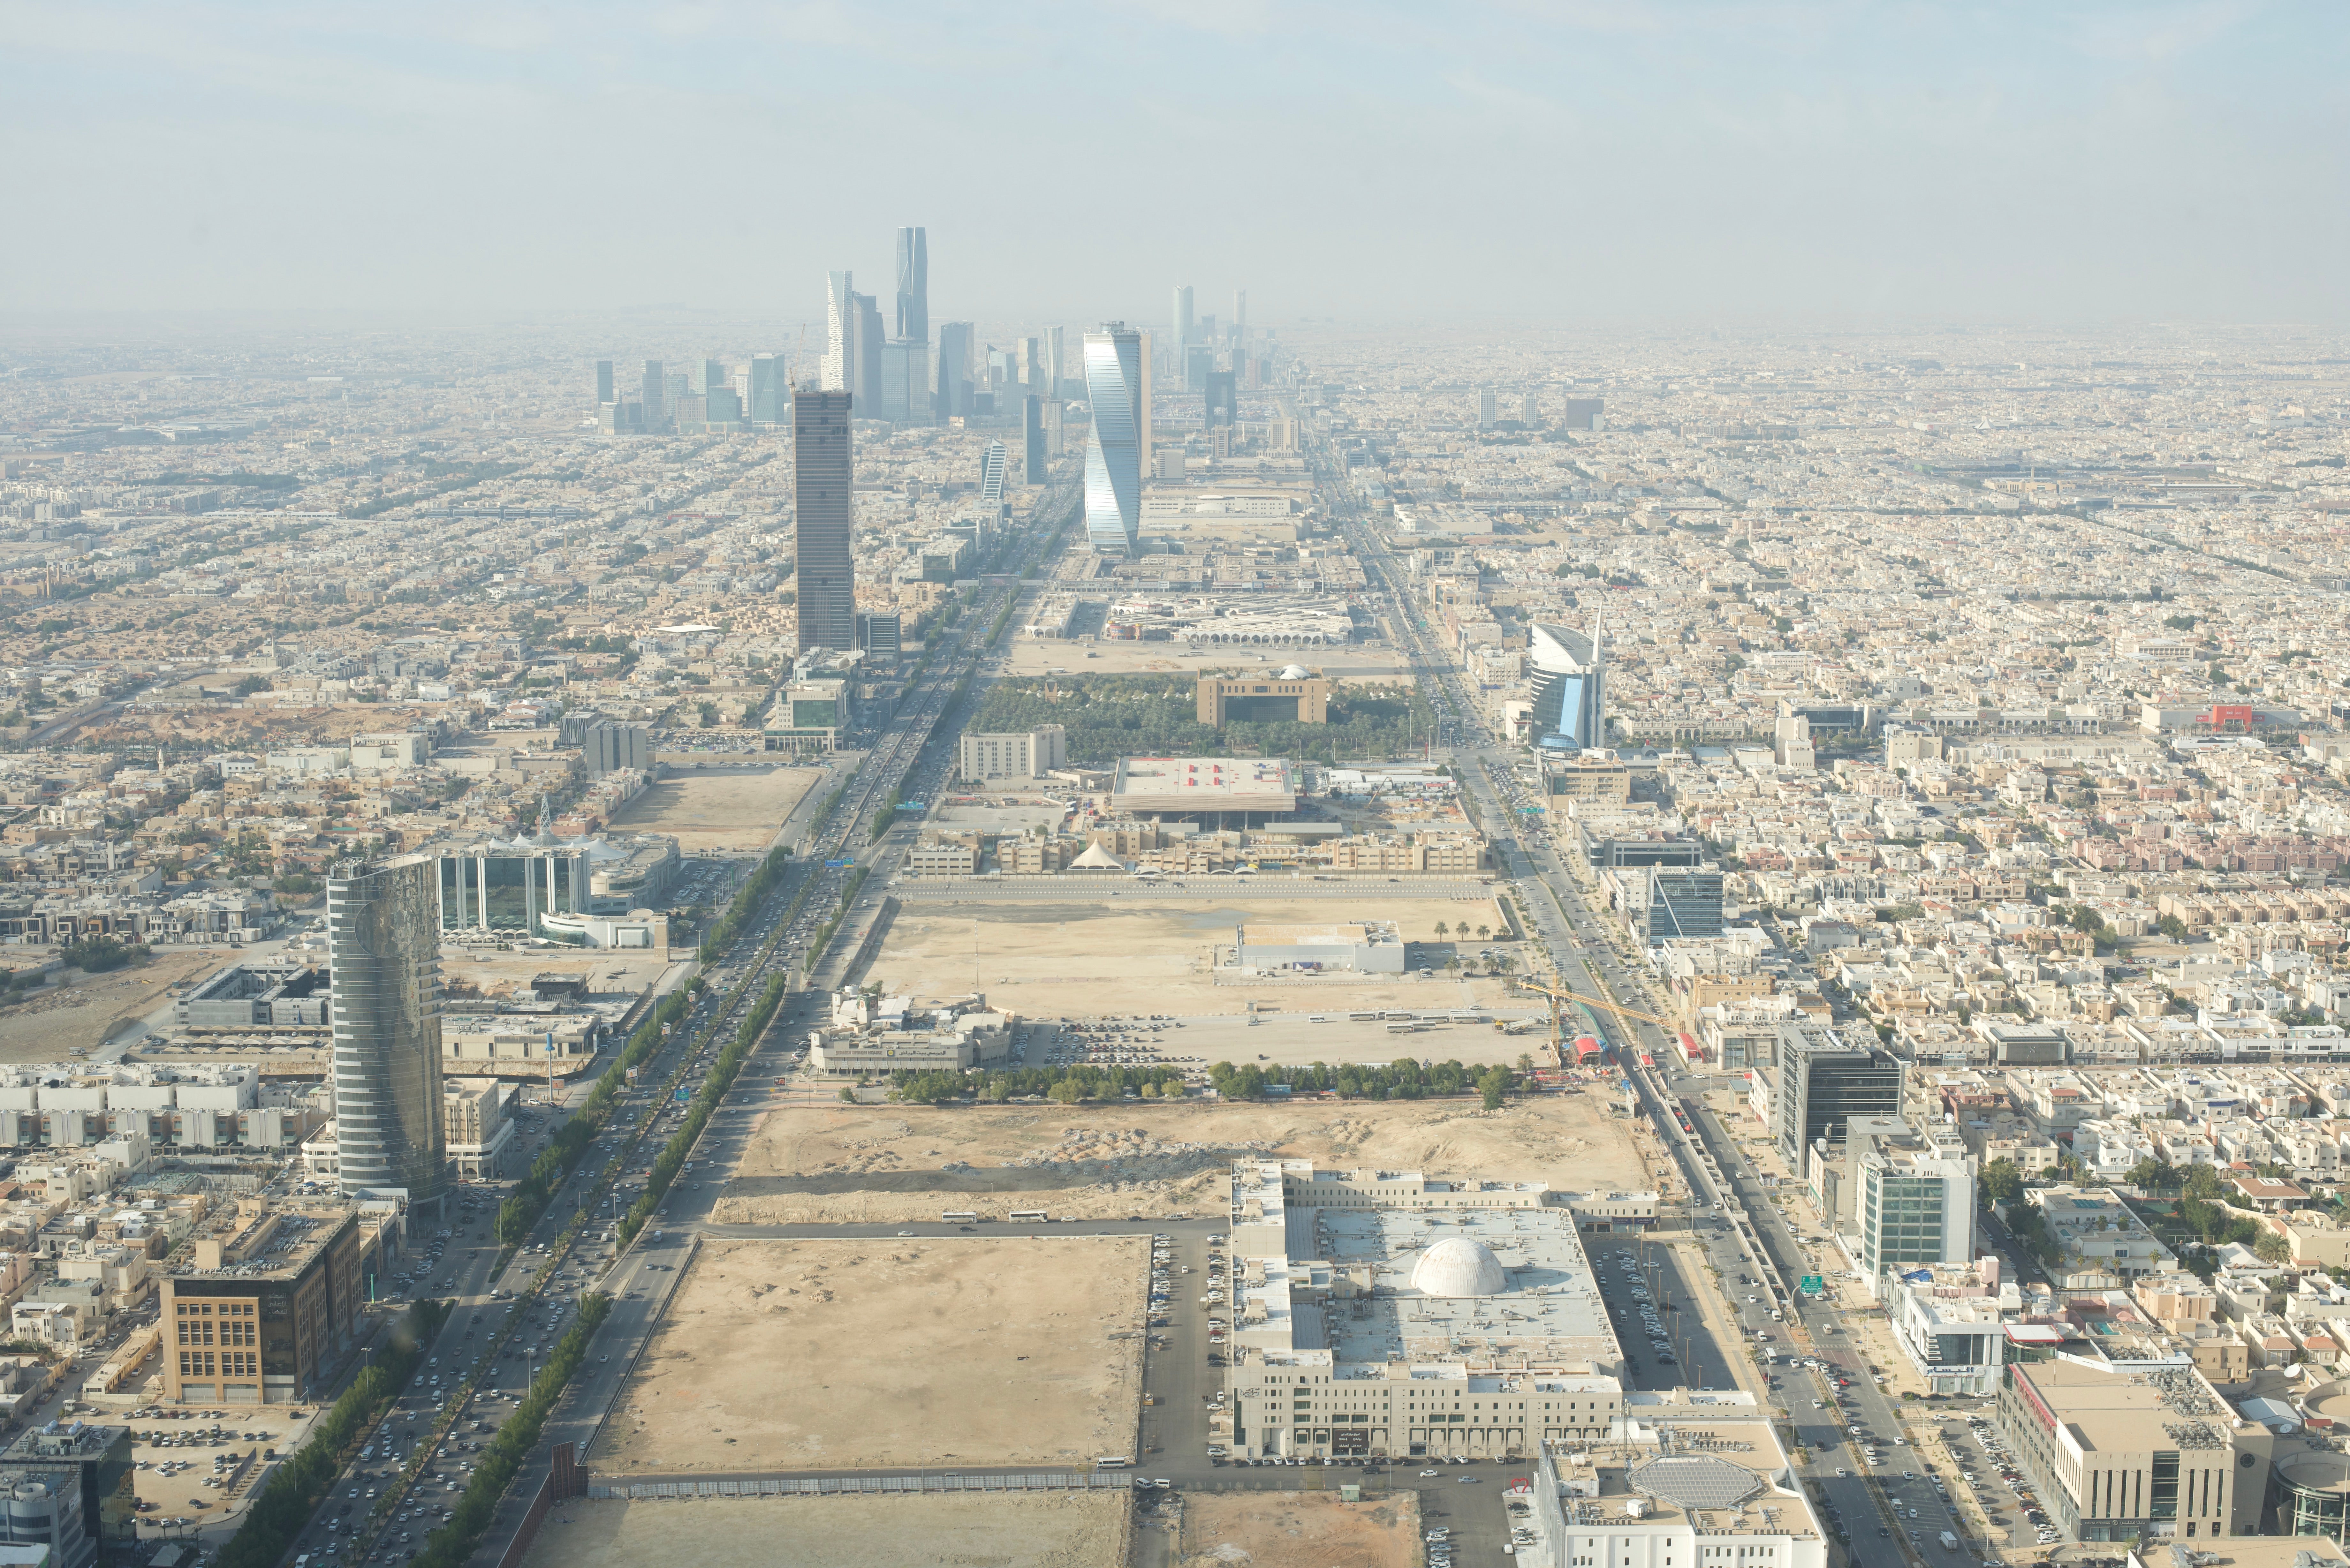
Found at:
(1293, 672)
(1458, 1266)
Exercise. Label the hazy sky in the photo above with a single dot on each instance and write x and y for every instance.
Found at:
(1603, 161)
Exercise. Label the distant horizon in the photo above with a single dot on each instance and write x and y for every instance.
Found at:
(1708, 160)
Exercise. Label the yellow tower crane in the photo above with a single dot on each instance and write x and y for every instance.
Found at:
(1559, 998)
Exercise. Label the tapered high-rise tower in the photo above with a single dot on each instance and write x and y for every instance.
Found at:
(383, 955)
(1114, 372)
(823, 470)
(913, 285)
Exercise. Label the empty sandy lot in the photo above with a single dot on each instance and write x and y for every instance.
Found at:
(1299, 1529)
(728, 811)
(824, 1355)
(1081, 959)
(1004, 1529)
(838, 1164)
(86, 1011)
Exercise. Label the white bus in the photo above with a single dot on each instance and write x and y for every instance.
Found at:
(1113, 1462)
(1030, 1217)
(957, 1217)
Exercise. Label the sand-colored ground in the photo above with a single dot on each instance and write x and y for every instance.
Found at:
(838, 1164)
(998, 1529)
(1299, 1529)
(85, 1011)
(830, 1355)
(1082, 959)
(727, 811)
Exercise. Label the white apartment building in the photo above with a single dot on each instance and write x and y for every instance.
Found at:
(1034, 754)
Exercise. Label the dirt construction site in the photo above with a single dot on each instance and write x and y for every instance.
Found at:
(1081, 959)
(865, 1354)
(831, 1163)
(737, 812)
(1000, 1530)
(1298, 1530)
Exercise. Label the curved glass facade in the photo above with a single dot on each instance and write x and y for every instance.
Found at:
(383, 949)
(1113, 450)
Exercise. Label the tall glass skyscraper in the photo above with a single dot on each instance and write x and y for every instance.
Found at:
(1113, 455)
(383, 953)
(823, 468)
(765, 404)
(1570, 678)
(914, 286)
(839, 330)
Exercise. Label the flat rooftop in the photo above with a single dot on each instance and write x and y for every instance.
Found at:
(1311, 1302)
(1144, 784)
(2114, 1411)
(1722, 1485)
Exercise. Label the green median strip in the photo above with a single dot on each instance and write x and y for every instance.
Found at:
(454, 1543)
(285, 1506)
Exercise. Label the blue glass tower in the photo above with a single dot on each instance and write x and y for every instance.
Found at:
(1113, 455)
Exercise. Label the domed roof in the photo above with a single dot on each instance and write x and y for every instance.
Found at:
(1458, 1266)
(1293, 672)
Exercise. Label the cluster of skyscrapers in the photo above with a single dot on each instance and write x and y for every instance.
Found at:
(712, 397)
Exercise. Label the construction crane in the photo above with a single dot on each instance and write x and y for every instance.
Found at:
(1558, 1012)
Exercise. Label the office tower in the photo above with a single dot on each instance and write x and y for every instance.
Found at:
(905, 388)
(1485, 409)
(1057, 369)
(1568, 685)
(823, 471)
(879, 633)
(1032, 436)
(1184, 323)
(913, 285)
(656, 390)
(1221, 405)
(865, 359)
(954, 368)
(992, 465)
(1032, 365)
(1199, 364)
(383, 955)
(1052, 430)
(714, 375)
(1917, 1206)
(1530, 412)
(1582, 413)
(1681, 902)
(839, 330)
(1143, 428)
(1116, 368)
(1240, 315)
(765, 391)
(1822, 1084)
(603, 382)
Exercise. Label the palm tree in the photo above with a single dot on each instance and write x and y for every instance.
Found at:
(1442, 930)
(1483, 931)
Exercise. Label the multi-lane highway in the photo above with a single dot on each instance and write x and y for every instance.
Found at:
(1812, 1367)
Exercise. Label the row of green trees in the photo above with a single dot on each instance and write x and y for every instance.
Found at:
(529, 1198)
(1402, 1079)
(451, 1545)
(295, 1491)
(1065, 1084)
(706, 1099)
(747, 899)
